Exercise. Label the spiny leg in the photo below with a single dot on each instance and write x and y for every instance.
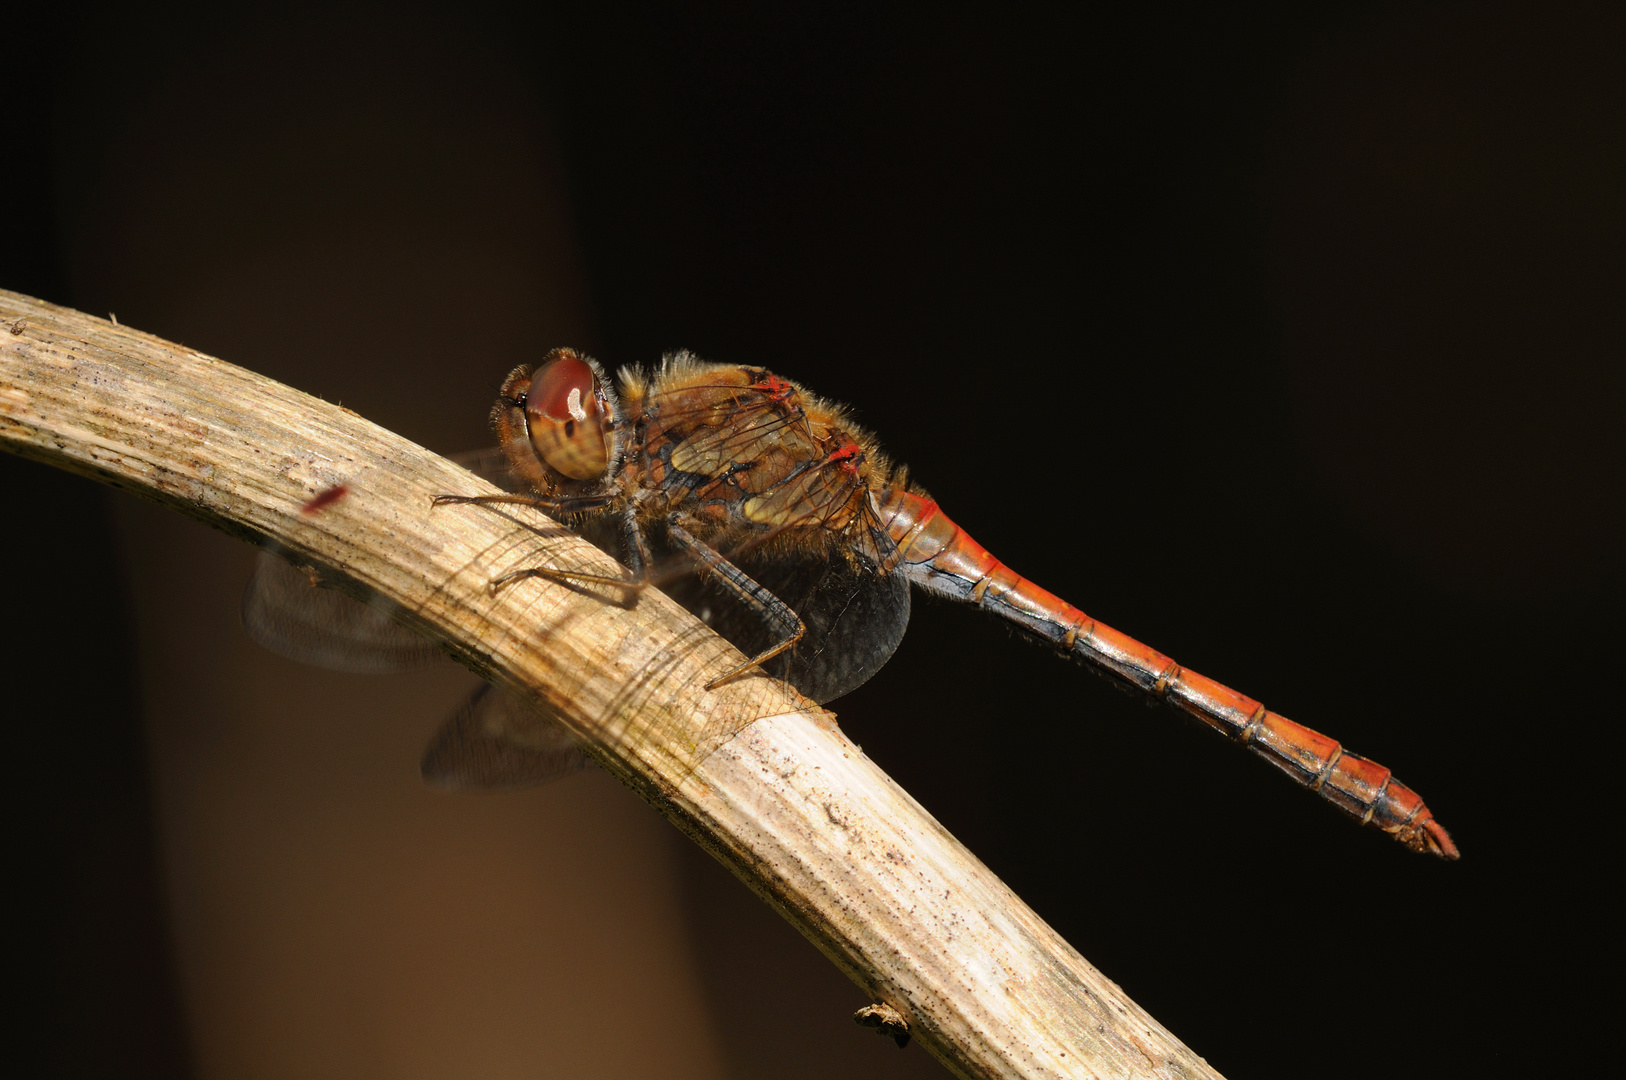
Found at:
(574, 504)
(632, 542)
(631, 586)
(773, 610)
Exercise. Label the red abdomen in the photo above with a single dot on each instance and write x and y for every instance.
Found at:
(939, 556)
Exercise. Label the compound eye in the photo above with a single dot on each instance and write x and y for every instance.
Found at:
(565, 413)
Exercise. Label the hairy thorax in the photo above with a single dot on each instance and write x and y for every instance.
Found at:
(744, 451)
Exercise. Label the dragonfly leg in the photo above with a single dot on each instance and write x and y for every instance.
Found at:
(632, 542)
(637, 555)
(631, 586)
(773, 610)
(570, 505)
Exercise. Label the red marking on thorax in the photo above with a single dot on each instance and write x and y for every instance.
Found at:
(774, 387)
(848, 456)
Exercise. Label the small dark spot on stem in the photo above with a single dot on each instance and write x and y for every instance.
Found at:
(325, 498)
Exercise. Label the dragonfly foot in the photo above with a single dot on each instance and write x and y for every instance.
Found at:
(730, 677)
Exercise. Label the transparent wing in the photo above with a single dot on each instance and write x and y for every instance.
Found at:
(287, 611)
(488, 463)
(496, 742)
(855, 618)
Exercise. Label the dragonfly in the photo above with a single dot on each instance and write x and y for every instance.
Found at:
(795, 536)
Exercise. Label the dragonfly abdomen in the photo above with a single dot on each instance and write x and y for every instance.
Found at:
(1360, 787)
(939, 556)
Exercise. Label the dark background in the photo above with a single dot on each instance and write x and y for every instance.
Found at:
(1286, 340)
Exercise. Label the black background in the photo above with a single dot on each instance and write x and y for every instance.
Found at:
(1286, 340)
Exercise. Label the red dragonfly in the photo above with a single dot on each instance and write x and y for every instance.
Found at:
(792, 516)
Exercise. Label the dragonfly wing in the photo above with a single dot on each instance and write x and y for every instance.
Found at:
(496, 742)
(855, 621)
(489, 463)
(854, 616)
(288, 612)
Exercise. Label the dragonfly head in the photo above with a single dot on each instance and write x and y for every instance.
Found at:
(558, 418)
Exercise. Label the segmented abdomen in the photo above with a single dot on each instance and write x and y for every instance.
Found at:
(939, 556)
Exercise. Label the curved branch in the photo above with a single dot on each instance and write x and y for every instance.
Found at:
(756, 775)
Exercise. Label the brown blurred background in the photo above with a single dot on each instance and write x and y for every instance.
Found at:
(1288, 341)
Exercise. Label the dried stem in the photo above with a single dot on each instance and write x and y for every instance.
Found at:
(764, 781)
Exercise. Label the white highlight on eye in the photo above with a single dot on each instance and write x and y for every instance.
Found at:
(574, 404)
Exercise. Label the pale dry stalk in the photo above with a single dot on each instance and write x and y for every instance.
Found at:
(757, 776)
